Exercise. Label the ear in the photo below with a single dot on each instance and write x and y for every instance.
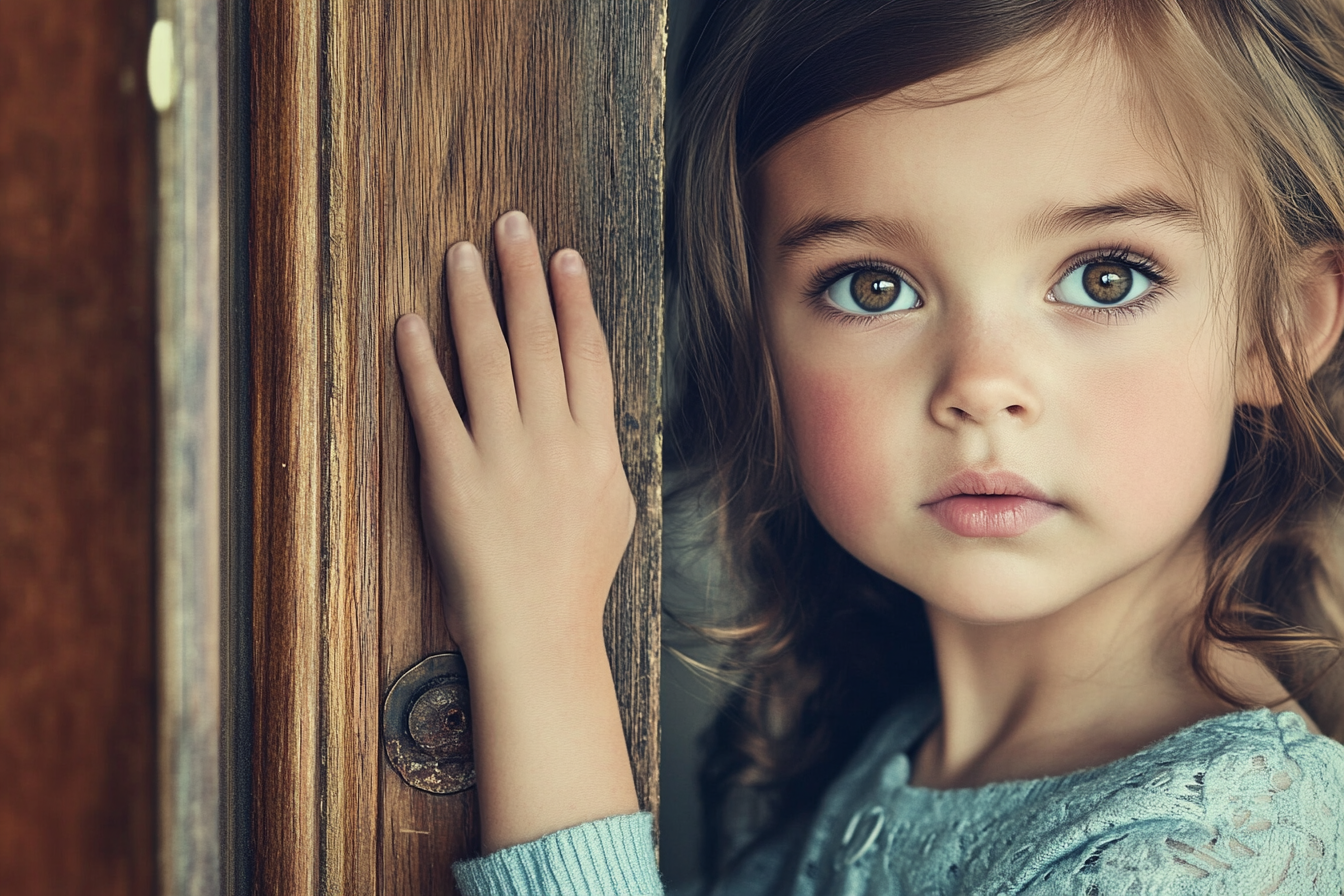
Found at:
(1321, 321)
(1323, 305)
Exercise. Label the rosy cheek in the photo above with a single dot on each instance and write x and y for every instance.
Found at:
(837, 435)
(1157, 444)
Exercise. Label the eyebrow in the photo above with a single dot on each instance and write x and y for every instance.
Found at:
(819, 229)
(1134, 205)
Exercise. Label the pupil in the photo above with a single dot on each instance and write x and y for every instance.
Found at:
(1106, 282)
(874, 290)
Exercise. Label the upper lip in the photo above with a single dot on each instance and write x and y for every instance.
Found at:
(974, 482)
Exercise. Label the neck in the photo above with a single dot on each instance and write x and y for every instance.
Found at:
(1093, 682)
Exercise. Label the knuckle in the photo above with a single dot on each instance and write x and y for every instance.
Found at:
(495, 407)
(468, 291)
(437, 415)
(492, 365)
(525, 260)
(538, 339)
(591, 350)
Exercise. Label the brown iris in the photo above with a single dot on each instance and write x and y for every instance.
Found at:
(874, 290)
(1106, 282)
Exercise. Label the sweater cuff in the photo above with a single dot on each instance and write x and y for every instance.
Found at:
(609, 857)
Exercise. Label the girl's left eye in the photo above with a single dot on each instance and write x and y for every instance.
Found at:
(1101, 284)
(872, 291)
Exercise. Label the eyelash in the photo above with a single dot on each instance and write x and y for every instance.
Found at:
(824, 279)
(1125, 255)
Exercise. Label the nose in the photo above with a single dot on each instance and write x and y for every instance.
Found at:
(984, 379)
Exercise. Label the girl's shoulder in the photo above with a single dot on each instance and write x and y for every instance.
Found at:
(1241, 803)
(1242, 773)
(1258, 749)
(1257, 753)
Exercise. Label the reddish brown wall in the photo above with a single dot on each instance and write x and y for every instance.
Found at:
(76, 450)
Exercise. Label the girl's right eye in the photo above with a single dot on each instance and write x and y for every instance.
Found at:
(871, 291)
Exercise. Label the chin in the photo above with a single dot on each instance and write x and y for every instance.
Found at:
(989, 596)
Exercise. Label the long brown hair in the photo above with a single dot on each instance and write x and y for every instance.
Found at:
(822, 643)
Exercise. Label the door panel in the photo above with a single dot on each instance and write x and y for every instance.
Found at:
(381, 134)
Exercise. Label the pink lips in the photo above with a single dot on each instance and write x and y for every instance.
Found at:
(989, 505)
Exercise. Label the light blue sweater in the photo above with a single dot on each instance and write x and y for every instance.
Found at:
(1245, 803)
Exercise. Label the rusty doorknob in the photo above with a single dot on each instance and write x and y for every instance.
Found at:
(427, 725)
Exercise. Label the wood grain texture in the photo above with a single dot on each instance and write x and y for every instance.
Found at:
(353, 738)
(287, 445)
(436, 118)
(77, 736)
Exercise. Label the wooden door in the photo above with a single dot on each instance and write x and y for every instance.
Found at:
(380, 134)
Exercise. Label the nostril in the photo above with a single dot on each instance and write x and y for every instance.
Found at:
(965, 415)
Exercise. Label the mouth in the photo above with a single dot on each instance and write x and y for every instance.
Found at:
(989, 505)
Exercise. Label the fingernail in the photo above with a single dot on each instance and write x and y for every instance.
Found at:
(515, 225)
(571, 262)
(463, 257)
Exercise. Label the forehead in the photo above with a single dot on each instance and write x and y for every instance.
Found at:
(1006, 141)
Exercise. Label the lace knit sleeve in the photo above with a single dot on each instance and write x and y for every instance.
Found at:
(1259, 821)
(609, 857)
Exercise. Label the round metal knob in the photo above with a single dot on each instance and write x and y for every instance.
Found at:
(427, 725)
(438, 721)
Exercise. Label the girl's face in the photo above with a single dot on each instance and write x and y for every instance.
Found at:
(1004, 370)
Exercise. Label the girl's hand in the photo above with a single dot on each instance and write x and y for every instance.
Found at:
(527, 512)
(525, 503)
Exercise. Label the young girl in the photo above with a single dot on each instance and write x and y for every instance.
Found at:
(1010, 332)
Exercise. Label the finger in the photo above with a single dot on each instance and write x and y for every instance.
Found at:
(534, 347)
(482, 353)
(583, 346)
(438, 426)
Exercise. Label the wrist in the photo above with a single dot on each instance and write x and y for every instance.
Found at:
(531, 671)
(522, 644)
(550, 748)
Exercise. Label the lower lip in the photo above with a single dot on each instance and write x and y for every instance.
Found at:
(990, 516)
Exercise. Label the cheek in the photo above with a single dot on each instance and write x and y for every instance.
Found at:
(842, 448)
(1155, 446)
